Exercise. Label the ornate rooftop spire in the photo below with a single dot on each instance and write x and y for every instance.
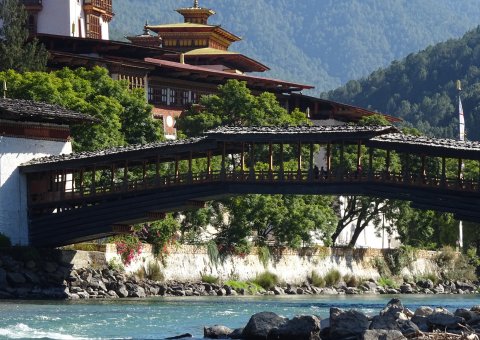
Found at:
(145, 28)
(195, 4)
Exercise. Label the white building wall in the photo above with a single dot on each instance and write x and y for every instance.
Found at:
(13, 188)
(56, 17)
(105, 31)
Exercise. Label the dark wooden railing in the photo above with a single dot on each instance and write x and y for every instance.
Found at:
(70, 190)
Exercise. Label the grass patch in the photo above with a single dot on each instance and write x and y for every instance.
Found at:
(332, 277)
(207, 278)
(249, 287)
(115, 264)
(266, 280)
(264, 256)
(154, 272)
(317, 280)
(351, 280)
(387, 282)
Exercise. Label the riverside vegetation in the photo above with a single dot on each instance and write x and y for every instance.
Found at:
(28, 273)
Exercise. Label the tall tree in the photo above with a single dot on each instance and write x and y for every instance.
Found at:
(285, 219)
(15, 52)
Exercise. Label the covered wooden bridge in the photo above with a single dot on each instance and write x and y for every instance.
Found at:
(84, 196)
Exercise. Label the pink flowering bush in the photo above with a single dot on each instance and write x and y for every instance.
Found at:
(128, 247)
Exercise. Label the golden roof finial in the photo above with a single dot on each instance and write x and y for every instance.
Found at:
(195, 4)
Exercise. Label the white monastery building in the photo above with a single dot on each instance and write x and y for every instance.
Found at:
(73, 18)
(27, 130)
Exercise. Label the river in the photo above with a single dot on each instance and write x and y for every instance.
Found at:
(162, 317)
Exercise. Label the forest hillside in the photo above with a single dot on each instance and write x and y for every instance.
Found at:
(324, 43)
(421, 88)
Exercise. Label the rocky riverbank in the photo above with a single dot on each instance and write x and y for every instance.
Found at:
(49, 279)
(394, 322)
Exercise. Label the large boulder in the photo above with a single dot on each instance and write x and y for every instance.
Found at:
(347, 324)
(260, 325)
(382, 334)
(3, 278)
(444, 321)
(304, 327)
(16, 278)
(217, 332)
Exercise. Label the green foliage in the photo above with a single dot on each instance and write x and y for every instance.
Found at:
(332, 277)
(124, 115)
(399, 258)
(324, 43)
(113, 264)
(317, 280)
(351, 280)
(455, 266)
(266, 280)
(264, 255)
(15, 52)
(154, 272)
(160, 234)
(207, 278)
(293, 220)
(381, 266)
(5, 241)
(387, 282)
(212, 252)
(249, 287)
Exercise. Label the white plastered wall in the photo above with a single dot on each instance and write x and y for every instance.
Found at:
(56, 17)
(13, 188)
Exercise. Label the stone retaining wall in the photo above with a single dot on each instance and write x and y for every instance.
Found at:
(189, 263)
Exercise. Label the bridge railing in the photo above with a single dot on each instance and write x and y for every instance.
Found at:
(74, 192)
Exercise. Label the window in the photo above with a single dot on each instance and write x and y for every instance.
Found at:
(94, 30)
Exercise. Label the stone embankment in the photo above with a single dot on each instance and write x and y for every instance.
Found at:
(55, 280)
(393, 322)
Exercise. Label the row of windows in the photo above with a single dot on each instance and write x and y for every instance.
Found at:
(185, 42)
(173, 96)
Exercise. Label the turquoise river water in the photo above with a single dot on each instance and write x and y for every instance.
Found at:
(163, 317)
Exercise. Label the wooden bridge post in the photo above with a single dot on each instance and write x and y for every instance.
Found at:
(223, 171)
(270, 161)
(341, 170)
(329, 158)
(460, 173)
(157, 170)
(94, 184)
(444, 172)
(252, 162)
(112, 177)
(242, 159)
(209, 164)
(299, 161)
(423, 173)
(387, 165)
(125, 176)
(310, 162)
(406, 171)
(177, 174)
(281, 169)
(81, 182)
(190, 172)
(370, 163)
(359, 160)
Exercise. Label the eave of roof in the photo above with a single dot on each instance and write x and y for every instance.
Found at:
(22, 110)
(362, 111)
(281, 86)
(308, 133)
(191, 27)
(425, 145)
(110, 47)
(242, 62)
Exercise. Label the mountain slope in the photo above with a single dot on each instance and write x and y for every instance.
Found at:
(422, 88)
(324, 43)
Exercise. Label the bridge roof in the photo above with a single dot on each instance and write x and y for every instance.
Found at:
(22, 110)
(426, 145)
(304, 133)
(168, 149)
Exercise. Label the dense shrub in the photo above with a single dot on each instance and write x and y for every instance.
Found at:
(332, 277)
(154, 272)
(207, 278)
(5, 241)
(266, 280)
(317, 280)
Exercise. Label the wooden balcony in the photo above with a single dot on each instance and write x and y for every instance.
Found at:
(99, 7)
(32, 5)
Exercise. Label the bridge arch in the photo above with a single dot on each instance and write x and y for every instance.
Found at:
(79, 197)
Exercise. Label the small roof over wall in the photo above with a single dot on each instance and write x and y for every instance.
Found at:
(22, 110)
